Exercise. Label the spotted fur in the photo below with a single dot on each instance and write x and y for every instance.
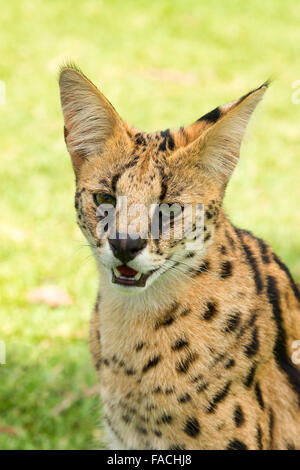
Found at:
(200, 358)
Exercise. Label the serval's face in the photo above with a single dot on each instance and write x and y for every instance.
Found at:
(148, 204)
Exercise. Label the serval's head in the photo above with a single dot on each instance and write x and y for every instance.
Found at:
(155, 180)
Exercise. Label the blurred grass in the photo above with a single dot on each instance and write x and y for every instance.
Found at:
(162, 64)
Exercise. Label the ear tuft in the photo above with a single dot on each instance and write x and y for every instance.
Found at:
(70, 65)
(89, 117)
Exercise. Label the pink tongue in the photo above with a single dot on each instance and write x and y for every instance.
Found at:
(126, 271)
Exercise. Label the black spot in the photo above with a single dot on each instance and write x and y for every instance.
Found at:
(226, 269)
(191, 254)
(106, 362)
(141, 430)
(157, 433)
(223, 250)
(290, 446)
(280, 348)
(238, 416)
(139, 346)
(184, 398)
(107, 420)
(144, 419)
(168, 318)
(169, 390)
(201, 387)
(132, 410)
(232, 322)
(230, 364)
(250, 377)
(168, 140)
(202, 269)
(164, 419)
(157, 389)
(185, 312)
(236, 444)
(252, 348)
(192, 427)
(196, 378)
(163, 146)
(126, 419)
(171, 143)
(140, 139)
(130, 371)
(177, 447)
(218, 358)
(212, 116)
(179, 344)
(114, 359)
(166, 321)
(259, 396)
(259, 437)
(151, 363)
(252, 262)
(210, 310)
(150, 407)
(219, 397)
(183, 364)
(208, 215)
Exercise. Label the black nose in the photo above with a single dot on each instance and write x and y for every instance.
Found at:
(125, 248)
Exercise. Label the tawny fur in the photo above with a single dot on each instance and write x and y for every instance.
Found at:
(201, 357)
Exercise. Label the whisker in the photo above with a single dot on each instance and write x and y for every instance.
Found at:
(87, 259)
(192, 268)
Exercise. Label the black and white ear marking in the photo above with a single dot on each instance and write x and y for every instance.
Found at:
(217, 148)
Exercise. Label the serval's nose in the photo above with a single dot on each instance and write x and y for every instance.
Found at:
(126, 248)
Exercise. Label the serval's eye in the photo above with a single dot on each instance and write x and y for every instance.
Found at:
(170, 211)
(101, 198)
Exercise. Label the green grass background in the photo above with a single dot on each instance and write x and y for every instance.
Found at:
(162, 64)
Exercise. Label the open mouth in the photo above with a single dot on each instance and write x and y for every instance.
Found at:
(126, 276)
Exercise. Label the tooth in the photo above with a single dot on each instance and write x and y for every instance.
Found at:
(138, 276)
(116, 272)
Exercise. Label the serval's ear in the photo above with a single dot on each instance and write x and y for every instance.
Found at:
(90, 120)
(220, 133)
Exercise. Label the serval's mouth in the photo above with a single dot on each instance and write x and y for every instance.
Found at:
(126, 276)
